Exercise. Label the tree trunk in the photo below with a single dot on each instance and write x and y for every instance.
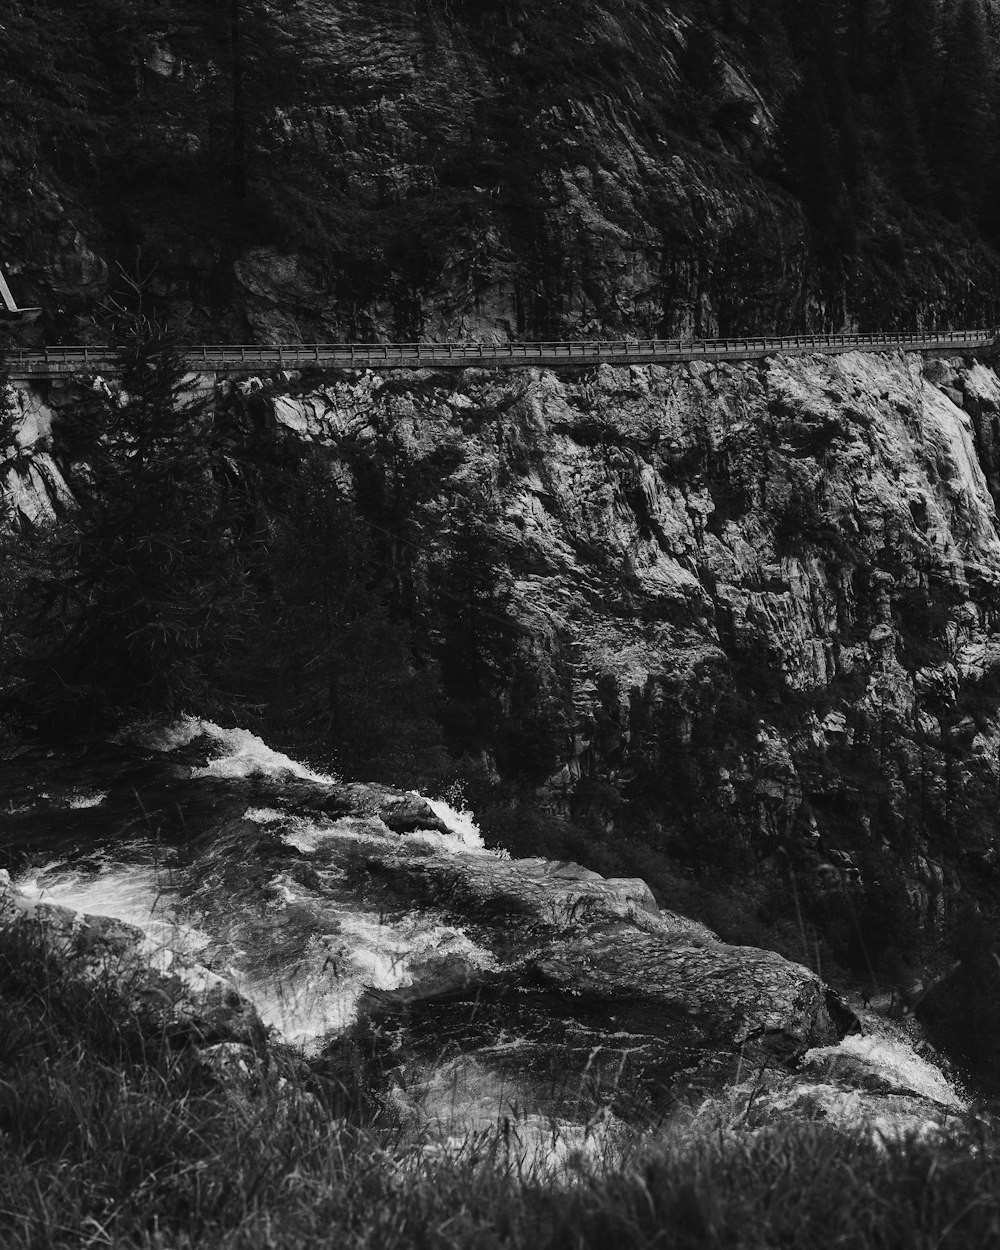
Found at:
(238, 175)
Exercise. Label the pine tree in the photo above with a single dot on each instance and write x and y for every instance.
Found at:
(908, 152)
(332, 666)
(908, 39)
(477, 639)
(254, 54)
(145, 595)
(812, 154)
(962, 150)
(860, 21)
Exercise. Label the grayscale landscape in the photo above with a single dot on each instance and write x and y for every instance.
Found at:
(500, 624)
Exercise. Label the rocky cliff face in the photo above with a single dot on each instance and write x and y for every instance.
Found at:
(461, 170)
(766, 591)
(758, 603)
(33, 488)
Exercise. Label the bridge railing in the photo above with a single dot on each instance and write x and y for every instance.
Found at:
(229, 357)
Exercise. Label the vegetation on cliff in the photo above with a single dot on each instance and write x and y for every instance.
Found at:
(289, 169)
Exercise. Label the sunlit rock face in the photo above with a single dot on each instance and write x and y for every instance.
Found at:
(787, 569)
(32, 488)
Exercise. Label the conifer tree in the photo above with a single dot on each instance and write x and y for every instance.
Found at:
(908, 38)
(860, 19)
(477, 640)
(908, 152)
(255, 53)
(963, 146)
(145, 595)
(811, 152)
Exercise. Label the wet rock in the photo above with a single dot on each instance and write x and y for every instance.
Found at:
(399, 810)
(485, 886)
(173, 993)
(423, 924)
(730, 994)
(868, 1083)
(881, 1064)
(233, 1064)
(539, 977)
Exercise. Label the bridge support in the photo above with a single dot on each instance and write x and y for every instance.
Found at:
(10, 310)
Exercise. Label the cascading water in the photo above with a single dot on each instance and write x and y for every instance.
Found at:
(303, 954)
(135, 890)
(533, 997)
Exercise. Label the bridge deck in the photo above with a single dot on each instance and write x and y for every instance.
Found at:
(51, 362)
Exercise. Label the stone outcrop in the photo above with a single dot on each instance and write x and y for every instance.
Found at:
(275, 875)
(32, 488)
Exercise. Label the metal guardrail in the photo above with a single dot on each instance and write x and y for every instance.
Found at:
(241, 358)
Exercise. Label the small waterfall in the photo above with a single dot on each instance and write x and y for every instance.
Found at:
(306, 912)
(304, 954)
(892, 1061)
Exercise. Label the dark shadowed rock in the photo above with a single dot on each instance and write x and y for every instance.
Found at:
(730, 993)
(400, 810)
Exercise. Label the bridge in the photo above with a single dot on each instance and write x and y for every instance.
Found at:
(225, 358)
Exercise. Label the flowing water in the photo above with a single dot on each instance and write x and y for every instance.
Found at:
(307, 941)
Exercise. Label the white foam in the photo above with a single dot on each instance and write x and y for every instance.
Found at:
(896, 1062)
(450, 843)
(242, 754)
(308, 836)
(82, 798)
(170, 737)
(246, 755)
(138, 894)
(461, 823)
(319, 995)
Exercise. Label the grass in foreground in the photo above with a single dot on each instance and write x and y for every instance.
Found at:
(111, 1136)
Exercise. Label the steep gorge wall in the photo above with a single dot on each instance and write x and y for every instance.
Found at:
(758, 601)
(763, 597)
